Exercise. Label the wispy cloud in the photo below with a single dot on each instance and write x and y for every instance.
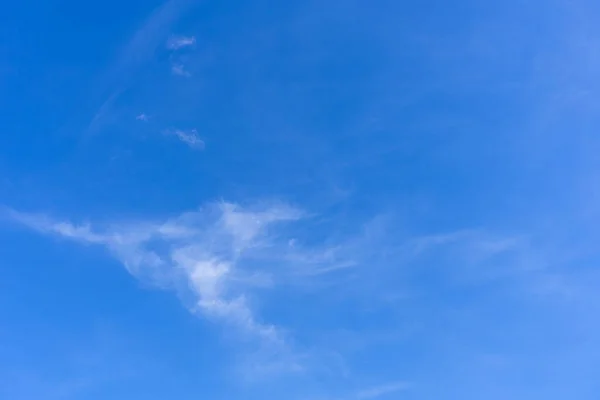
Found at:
(382, 390)
(178, 42)
(142, 117)
(223, 258)
(134, 54)
(220, 260)
(200, 254)
(179, 70)
(202, 247)
(189, 137)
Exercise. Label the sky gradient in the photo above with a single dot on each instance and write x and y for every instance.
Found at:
(335, 200)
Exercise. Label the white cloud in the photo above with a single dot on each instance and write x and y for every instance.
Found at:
(220, 260)
(190, 137)
(142, 117)
(178, 42)
(179, 70)
(201, 249)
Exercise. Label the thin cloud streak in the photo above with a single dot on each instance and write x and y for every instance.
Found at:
(101, 116)
(178, 42)
(190, 138)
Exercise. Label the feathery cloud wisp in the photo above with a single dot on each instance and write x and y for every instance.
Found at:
(178, 42)
(201, 249)
(218, 259)
(190, 137)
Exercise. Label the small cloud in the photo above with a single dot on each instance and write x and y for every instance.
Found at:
(178, 42)
(190, 137)
(178, 69)
(142, 117)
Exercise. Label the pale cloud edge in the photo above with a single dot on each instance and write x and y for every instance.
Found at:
(188, 137)
(178, 42)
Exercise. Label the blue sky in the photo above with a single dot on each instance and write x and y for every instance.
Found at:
(338, 200)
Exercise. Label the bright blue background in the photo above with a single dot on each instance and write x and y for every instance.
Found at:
(440, 116)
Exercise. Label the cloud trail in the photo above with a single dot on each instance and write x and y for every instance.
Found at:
(178, 42)
(190, 138)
